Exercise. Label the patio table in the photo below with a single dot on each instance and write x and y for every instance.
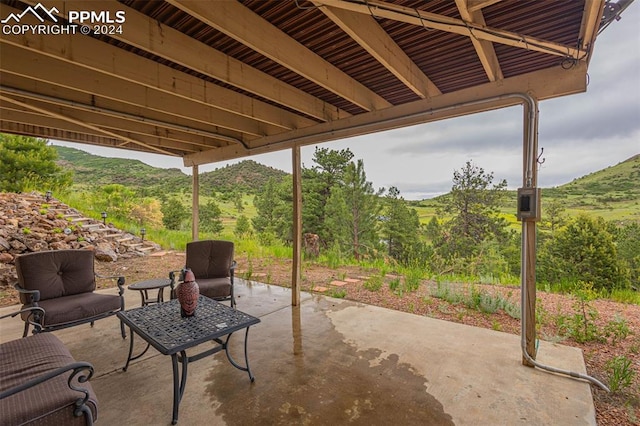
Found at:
(153, 284)
(162, 327)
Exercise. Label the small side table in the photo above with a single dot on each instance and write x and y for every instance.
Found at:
(153, 284)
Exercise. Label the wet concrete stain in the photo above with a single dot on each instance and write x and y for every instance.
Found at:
(311, 376)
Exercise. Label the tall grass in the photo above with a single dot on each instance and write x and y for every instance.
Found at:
(332, 258)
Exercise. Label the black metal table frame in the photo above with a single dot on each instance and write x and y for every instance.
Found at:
(178, 353)
(153, 284)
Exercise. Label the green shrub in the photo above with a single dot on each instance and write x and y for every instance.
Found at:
(617, 329)
(373, 283)
(338, 293)
(394, 286)
(581, 325)
(413, 279)
(621, 373)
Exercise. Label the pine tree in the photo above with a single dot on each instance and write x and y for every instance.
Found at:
(317, 184)
(265, 203)
(243, 227)
(585, 251)
(28, 163)
(274, 206)
(400, 226)
(474, 204)
(173, 213)
(209, 216)
(353, 211)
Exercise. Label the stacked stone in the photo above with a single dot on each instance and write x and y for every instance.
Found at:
(31, 222)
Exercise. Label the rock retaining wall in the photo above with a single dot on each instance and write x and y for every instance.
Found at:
(30, 223)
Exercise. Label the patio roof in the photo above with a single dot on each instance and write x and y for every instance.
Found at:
(212, 81)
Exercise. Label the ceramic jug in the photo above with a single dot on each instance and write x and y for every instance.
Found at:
(187, 293)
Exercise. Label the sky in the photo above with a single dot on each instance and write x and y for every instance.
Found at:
(580, 134)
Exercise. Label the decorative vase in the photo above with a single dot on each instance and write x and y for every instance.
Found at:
(188, 292)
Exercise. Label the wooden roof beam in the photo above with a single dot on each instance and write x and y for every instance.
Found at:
(476, 5)
(101, 131)
(590, 23)
(176, 139)
(51, 71)
(235, 108)
(152, 36)
(453, 25)
(241, 24)
(47, 132)
(543, 84)
(484, 49)
(20, 85)
(368, 34)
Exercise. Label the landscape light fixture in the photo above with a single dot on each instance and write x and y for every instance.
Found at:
(47, 196)
(143, 232)
(104, 218)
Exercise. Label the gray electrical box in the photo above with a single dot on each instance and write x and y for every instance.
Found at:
(529, 204)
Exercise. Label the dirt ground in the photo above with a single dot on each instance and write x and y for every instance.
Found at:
(621, 408)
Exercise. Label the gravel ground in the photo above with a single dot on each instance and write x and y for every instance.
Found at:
(621, 408)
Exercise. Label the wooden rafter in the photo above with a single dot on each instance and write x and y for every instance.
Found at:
(366, 31)
(590, 23)
(241, 24)
(453, 25)
(81, 123)
(484, 49)
(545, 84)
(168, 43)
(475, 5)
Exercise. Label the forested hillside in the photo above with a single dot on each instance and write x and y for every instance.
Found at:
(93, 170)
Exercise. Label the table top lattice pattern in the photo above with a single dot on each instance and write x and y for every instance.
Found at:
(163, 327)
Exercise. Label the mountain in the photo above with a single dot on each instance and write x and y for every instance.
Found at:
(616, 183)
(247, 176)
(92, 170)
(612, 193)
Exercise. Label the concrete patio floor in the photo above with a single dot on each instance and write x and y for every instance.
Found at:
(332, 361)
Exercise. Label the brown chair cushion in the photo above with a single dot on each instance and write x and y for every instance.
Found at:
(75, 307)
(214, 288)
(210, 258)
(56, 273)
(50, 402)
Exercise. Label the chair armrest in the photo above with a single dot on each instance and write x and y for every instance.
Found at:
(82, 372)
(33, 295)
(174, 280)
(36, 313)
(172, 275)
(232, 271)
(120, 281)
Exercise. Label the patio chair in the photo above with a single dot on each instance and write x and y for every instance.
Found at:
(62, 283)
(211, 261)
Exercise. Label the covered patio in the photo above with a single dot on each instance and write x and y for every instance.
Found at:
(213, 81)
(332, 361)
(219, 80)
